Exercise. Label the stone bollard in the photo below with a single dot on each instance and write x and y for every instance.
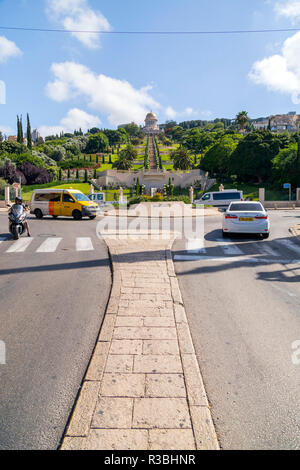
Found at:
(262, 195)
(191, 194)
(121, 192)
(92, 189)
(7, 194)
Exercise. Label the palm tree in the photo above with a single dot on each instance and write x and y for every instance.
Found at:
(242, 119)
(181, 159)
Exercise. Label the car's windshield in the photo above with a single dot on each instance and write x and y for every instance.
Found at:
(246, 207)
(80, 197)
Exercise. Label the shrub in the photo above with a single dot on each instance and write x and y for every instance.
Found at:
(35, 175)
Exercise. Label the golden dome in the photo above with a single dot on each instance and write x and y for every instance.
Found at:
(151, 116)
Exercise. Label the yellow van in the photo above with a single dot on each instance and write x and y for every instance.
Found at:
(62, 202)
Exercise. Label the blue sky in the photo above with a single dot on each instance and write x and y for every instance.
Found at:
(66, 81)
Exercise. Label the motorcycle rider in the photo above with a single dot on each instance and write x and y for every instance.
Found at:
(19, 202)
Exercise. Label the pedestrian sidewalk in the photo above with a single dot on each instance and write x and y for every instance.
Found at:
(143, 389)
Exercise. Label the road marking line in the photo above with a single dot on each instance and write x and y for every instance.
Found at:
(20, 245)
(195, 245)
(84, 244)
(229, 248)
(49, 246)
(290, 245)
(236, 259)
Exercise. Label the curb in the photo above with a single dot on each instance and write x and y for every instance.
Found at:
(202, 424)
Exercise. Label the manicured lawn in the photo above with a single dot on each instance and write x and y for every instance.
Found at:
(83, 187)
(28, 190)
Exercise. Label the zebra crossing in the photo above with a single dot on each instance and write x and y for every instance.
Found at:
(49, 245)
(279, 250)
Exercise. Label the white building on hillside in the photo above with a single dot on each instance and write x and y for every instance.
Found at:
(151, 124)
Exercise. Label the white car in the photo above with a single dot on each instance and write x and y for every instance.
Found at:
(246, 217)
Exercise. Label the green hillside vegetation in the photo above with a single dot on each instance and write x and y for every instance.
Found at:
(234, 158)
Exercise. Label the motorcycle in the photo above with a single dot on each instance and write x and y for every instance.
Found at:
(16, 221)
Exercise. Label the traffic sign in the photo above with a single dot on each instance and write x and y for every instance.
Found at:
(286, 186)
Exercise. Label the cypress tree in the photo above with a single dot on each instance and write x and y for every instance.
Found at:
(29, 136)
(20, 133)
(18, 130)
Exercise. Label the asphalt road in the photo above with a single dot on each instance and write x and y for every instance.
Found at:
(242, 298)
(53, 297)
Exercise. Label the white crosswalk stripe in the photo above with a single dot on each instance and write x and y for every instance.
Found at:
(49, 246)
(290, 245)
(20, 245)
(195, 245)
(264, 248)
(229, 248)
(84, 244)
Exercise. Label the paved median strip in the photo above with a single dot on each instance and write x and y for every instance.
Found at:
(143, 389)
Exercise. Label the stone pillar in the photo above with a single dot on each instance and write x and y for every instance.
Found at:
(221, 187)
(262, 195)
(121, 195)
(92, 189)
(7, 195)
(298, 195)
(191, 194)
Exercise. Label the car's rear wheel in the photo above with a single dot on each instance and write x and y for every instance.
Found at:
(265, 235)
(92, 217)
(225, 234)
(55, 216)
(38, 213)
(77, 215)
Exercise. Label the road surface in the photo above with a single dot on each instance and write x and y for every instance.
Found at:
(54, 289)
(242, 298)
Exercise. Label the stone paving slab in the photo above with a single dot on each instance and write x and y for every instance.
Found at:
(143, 389)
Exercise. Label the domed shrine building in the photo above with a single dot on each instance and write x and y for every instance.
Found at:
(151, 124)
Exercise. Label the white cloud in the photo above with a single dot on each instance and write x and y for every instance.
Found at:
(170, 112)
(6, 130)
(186, 113)
(289, 9)
(115, 98)
(75, 119)
(8, 49)
(77, 15)
(281, 72)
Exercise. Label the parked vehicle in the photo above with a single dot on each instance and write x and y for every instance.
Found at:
(246, 217)
(17, 221)
(220, 198)
(62, 202)
(99, 198)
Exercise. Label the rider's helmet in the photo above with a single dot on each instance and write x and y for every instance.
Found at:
(19, 200)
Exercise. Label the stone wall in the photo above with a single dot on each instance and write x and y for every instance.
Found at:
(154, 178)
